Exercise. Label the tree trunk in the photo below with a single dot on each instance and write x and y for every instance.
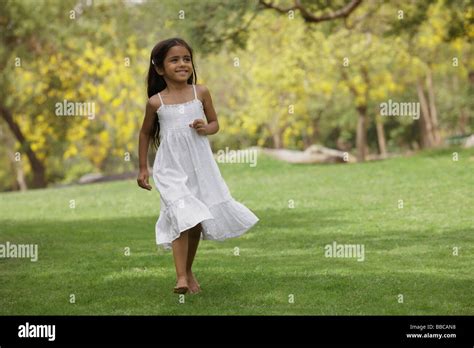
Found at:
(306, 140)
(313, 137)
(277, 141)
(381, 136)
(20, 182)
(433, 111)
(427, 139)
(16, 167)
(463, 121)
(38, 169)
(361, 136)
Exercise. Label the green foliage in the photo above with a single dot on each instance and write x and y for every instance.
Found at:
(275, 80)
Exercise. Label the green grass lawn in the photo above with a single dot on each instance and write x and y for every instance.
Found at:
(408, 251)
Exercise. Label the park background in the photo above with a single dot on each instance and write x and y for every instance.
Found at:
(283, 75)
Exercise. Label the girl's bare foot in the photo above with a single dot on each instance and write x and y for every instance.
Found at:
(182, 286)
(193, 284)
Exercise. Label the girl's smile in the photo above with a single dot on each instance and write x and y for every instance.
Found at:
(177, 64)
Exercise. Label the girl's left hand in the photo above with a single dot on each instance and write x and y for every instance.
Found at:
(199, 126)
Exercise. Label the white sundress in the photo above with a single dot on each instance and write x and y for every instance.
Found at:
(190, 184)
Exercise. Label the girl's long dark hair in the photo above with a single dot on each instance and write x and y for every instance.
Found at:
(156, 83)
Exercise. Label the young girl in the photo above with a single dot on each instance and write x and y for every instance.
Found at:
(195, 201)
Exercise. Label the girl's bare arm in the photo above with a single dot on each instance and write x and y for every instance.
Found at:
(144, 141)
(212, 126)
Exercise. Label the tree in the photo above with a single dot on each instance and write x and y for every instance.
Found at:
(25, 28)
(68, 51)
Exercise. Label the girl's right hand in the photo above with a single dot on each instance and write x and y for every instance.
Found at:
(142, 180)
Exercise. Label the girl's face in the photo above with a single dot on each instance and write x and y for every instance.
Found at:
(177, 64)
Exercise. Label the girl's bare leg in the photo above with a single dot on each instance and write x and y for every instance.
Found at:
(180, 254)
(193, 241)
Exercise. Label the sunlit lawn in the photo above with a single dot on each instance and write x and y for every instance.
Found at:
(302, 208)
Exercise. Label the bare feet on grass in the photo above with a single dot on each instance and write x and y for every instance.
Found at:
(182, 285)
(193, 284)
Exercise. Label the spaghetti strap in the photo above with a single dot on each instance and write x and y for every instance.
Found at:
(194, 87)
(161, 100)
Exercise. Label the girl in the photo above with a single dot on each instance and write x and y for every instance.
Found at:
(195, 201)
